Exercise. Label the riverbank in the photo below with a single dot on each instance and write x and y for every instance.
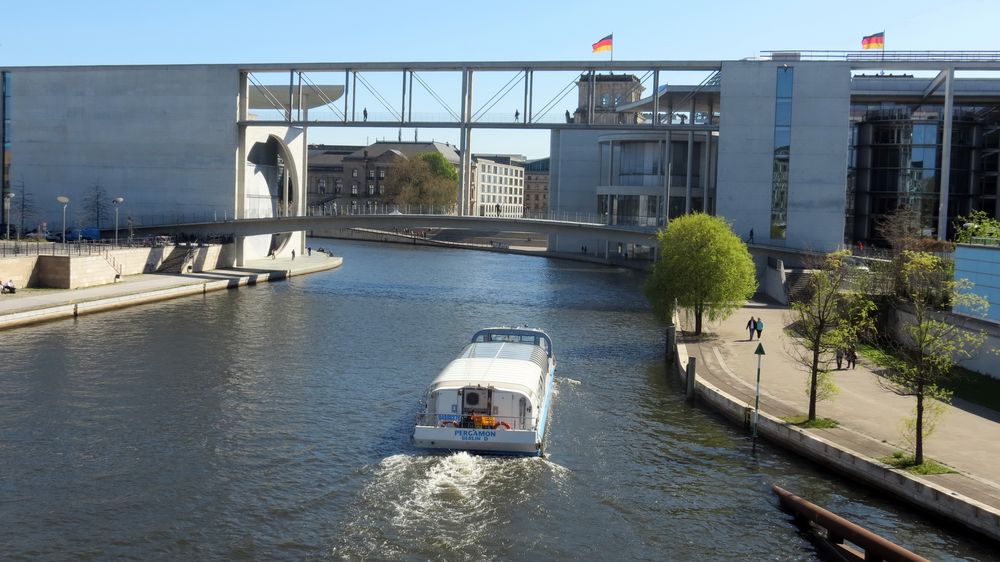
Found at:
(29, 306)
(870, 419)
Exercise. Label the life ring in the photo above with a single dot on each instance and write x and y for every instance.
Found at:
(502, 424)
(449, 423)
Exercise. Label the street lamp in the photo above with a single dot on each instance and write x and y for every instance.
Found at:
(117, 201)
(65, 201)
(6, 210)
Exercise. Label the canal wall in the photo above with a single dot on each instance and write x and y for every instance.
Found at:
(917, 491)
(170, 287)
(94, 266)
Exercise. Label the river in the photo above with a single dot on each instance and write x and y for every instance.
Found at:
(273, 422)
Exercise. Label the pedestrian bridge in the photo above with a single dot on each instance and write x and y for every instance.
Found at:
(614, 234)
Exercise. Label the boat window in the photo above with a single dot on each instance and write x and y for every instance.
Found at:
(472, 398)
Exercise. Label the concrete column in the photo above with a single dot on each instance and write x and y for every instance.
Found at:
(689, 178)
(656, 98)
(462, 179)
(942, 226)
(706, 153)
(689, 378)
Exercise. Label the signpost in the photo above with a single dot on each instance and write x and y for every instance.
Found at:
(756, 401)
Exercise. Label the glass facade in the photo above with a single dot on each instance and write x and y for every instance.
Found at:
(782, 149)
(5, 155)
(895, 161)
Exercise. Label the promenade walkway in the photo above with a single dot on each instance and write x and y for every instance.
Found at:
(34, 305)
(967, 437)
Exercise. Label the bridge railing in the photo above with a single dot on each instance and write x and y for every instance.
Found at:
(335, 208)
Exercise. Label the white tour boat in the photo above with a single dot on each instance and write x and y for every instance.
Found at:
(495, 397)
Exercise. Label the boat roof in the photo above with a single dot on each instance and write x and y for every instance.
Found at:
(517, 367)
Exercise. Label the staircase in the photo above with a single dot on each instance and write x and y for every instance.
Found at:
(797, 284)
(176, 261)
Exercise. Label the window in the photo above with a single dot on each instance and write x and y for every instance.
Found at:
(381, 173)
(354, 189)
(354, 172)
(782, 152)
(371, 189)
(371, 174)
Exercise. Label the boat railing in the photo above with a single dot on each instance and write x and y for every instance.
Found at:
(475, 421)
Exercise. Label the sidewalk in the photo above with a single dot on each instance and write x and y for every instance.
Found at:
(36, 305)
(967, 437)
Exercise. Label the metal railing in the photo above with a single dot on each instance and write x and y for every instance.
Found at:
(878, 55)
(475, 421)
(985, 241)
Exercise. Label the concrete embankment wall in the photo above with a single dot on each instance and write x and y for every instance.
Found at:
(927, 495)
(79, 270)
(72, 309)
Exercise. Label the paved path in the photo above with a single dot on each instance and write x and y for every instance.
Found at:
(967, 437)
(38, 299)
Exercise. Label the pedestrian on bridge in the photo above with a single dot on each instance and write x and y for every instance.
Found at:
(751, 325)
(517, 115)
(293, 257)
(759, 326)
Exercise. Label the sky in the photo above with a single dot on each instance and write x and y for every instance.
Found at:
(113, 32)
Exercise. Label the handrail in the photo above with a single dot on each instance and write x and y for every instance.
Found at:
(466, 421)
(839, 529)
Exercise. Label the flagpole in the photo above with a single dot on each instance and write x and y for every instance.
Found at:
(612, 46)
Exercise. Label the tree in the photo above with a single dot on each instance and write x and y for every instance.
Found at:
(96, 205)
(703, 266)
(440, 166)
(422, 180)
(931, 346)
(977, 224)
(831, 319)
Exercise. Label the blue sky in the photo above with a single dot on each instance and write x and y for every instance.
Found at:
(116, 32)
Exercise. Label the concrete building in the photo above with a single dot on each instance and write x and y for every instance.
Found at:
(173, 141)
(809, 154)
(497, 185)
(536, 188)
(352, 178)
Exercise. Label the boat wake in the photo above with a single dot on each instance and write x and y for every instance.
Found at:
(426, 505)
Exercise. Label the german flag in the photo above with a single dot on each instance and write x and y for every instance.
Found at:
(876, 41)
(604, 44)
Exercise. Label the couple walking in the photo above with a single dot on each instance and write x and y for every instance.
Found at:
(755, 325)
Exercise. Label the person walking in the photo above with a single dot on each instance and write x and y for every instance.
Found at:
(840, 358)
(751, 325)
(750, 238)
(293, 254)
(517, 116)
(760, 327)
(365, 114)
(852, 358)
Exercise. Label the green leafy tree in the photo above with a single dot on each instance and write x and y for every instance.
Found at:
(422, 180)
(440, 166)
(704, 267)
(831, 318)
(977, 224)
(931, 345)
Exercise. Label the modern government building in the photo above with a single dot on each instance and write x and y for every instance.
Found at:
(807, 150)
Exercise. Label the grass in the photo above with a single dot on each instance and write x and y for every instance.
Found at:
(964, 384)
(818, 423)
(904, 461)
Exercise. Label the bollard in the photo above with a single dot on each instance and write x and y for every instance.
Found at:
(689, 379)
(671, 351)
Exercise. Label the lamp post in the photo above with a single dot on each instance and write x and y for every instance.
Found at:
(6, 210)
(65, 201)
(117, 201)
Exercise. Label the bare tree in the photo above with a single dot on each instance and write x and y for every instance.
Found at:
(831, 318)
(96, 205)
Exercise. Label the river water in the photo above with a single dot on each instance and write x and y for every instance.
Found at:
(273, 422)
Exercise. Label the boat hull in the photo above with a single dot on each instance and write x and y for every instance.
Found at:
(469, 439)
